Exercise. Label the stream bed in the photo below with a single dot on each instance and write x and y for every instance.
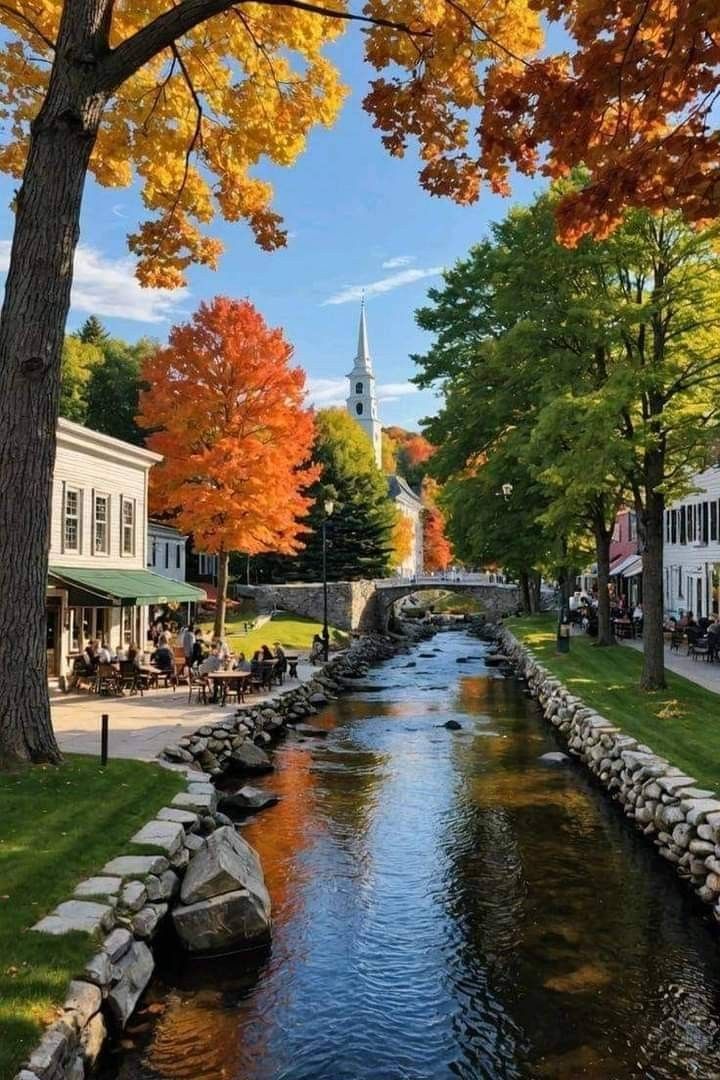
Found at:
(445, 905)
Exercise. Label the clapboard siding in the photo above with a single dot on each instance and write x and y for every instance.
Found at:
(689, 566)
(93, 463)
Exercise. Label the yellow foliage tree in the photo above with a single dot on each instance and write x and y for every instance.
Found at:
(403, 536)
(185, 97)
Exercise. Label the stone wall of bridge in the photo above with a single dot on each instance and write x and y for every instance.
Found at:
(362, 605)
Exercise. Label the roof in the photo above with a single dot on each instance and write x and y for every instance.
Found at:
(623, 564)
(399, 488)
(126, 587)
(84, 438)
(163, 527)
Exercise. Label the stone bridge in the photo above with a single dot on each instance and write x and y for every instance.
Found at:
(366, 605)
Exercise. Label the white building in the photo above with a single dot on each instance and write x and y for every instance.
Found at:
(166, 550)
(98, 585)
(363, 407)
(407, 502)
(692, 549)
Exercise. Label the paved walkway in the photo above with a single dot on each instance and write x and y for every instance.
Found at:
(141, 726)
(697, 671)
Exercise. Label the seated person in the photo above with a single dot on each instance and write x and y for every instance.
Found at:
(133, 655)
(703, 623)
(266, 653)
(199, 648)
(104, 655)
(164, 658)
(256, 664)
(213, 662)
(241, 664)
(89, 657)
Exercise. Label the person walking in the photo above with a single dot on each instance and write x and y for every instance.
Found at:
(187, 643)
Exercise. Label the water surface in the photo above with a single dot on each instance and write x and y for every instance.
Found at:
(444, 906)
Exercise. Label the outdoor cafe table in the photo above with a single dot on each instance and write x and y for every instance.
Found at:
(223, 679)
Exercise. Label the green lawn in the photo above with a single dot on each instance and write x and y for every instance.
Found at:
(682, 723)
(57, 826)
(294, 633)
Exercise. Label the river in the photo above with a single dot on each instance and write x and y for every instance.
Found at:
(445, 905)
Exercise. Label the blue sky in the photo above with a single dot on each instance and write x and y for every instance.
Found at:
(356, 217)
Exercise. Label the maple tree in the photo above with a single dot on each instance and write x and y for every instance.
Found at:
(226, 411)
(633, 97)
(437, 549)
(403, 538)
(187, 99)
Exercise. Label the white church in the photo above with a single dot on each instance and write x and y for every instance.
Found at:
(363, 407)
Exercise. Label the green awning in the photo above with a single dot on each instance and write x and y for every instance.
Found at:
(123, 587)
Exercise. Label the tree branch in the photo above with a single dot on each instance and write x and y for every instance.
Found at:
(160, 34)
(30, 25)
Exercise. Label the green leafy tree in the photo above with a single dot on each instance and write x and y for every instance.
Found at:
(79, 360)
(360, 529)
(604, 358)
(114, 387)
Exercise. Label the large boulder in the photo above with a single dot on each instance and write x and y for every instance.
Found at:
(234, 920)
(250, 759)
(248, 800)
(225, 904)
(226, 863)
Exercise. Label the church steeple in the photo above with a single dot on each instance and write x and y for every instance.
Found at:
(362, 401)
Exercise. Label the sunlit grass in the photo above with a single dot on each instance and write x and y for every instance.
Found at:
(57, 826)
(607, 679)
(294, 632)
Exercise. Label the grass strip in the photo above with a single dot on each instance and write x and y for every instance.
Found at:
(294, 632)
(682, 723)
(58, 826)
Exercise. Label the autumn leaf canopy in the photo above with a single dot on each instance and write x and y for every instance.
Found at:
(227, 413)
(242, 83)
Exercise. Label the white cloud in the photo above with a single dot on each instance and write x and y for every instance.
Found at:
(325, 393)
(104, 286)
(398, 261)
(393, 281)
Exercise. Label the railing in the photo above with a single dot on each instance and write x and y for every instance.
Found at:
(448, 578)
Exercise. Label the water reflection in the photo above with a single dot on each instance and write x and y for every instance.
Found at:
(445, 906)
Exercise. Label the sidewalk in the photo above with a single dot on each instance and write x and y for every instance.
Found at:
(697, 671)
(140, 727)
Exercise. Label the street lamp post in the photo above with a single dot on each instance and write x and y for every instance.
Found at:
(328, 507)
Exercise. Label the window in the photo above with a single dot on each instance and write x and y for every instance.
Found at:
(358, 388)
(632, 526)
(178, 556)
(673, 526)
(167, 555)
(705, 522)
(680, 583)
(71, 519)
(206, 565)
(713, 520)
(127, 526)
(683, 525)
(101, 527)
(667, 526)
(127, 625)
(359, 408)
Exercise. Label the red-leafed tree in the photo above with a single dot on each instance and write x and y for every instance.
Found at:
(437, 549)
(227, 413)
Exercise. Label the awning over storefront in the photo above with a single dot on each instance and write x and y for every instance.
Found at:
(634, 568)
(622, 565)
(126, 588)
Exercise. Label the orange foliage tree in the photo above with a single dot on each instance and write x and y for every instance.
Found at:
(634, 99)
(437, 549)
(227, 414)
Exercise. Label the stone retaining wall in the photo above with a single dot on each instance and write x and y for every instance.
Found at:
(682, 820)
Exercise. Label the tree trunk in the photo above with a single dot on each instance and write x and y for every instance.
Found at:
(653, 671)
(32, 324)
(222, 587)
(535, 582)
(525, 592)
(602, 553)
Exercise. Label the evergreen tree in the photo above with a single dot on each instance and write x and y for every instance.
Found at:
(92, 332)
(359, 531)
